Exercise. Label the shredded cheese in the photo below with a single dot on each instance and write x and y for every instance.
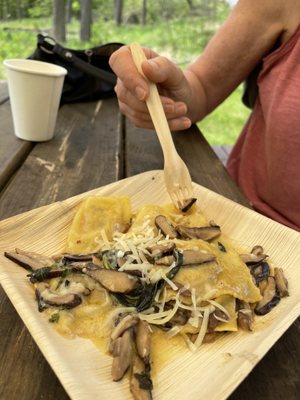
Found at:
(217, 305)
(203, 328)
(136, 246)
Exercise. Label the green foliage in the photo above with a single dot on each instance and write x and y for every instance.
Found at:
(41, 9)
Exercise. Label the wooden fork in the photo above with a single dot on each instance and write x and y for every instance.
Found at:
(177, 177)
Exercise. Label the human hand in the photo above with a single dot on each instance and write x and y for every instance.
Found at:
(132, 88)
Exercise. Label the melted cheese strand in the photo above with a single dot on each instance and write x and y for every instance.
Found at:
(217, 305)
(189, 343)
(169, 281)
(162, 317)
(203, 328)
(173, 331)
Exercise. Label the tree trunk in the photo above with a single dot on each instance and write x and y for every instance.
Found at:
(69, 11)
(190, 3)
(118, 12)
(59, 23)
(144, 12)
(85, 19)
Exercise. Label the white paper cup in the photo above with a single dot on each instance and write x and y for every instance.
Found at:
(35, 89)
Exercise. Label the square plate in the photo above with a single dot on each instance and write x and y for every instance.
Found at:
(217, 368)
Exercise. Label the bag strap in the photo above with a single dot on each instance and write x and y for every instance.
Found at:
(44, 43)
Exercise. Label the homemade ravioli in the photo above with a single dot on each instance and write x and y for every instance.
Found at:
(96, 220)
(138, 284)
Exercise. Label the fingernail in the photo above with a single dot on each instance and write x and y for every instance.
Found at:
(140, 93)
(169, 108)
(153, 63)
(186, 122)
(181, 109)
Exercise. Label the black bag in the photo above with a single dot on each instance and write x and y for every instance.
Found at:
(250, 89)
(89, 75)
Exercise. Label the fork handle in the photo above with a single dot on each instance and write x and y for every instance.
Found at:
(154, 105)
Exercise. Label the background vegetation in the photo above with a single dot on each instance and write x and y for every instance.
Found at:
(175, 28)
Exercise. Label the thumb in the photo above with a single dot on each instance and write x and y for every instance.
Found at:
(165, 72)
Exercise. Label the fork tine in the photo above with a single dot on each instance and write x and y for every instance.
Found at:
(174, 198)
(189, 192)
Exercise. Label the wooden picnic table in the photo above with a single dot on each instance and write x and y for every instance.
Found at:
(94, 145)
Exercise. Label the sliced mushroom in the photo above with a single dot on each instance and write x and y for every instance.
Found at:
(28, 260)
(209, 337)
(261, 285)
(46, 261)
(252, 259)
(270, 298)
(165, 226)
(281, 282)
(159, 250)
(122, 355)
(186, 204)
(119, 227)
(260, 271)
(180, 318)
(125, 323)
(143, 340)
(140, 380)
(244, 315)
(191, 257)
(205, 232)
(184, 291)
(112, 280)
(42, 274)
(76, 257)
(213, 320)
(46, 297)
(257, 250)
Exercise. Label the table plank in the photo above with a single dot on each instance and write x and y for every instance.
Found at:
(13, 151)
(3, 92)
(143, 153)
(83, 155)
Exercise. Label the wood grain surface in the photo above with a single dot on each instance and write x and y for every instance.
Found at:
(92, 147)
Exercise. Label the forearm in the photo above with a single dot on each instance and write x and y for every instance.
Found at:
(197, 104)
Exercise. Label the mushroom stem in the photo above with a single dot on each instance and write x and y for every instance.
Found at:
(281, 282)
(122, 355)
(143, 340)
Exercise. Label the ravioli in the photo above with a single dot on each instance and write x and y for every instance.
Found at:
(95, 221)
(228, 275)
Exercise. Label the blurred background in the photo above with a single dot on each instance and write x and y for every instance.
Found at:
(178, 29)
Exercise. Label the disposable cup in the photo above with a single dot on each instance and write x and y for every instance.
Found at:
(35, 89)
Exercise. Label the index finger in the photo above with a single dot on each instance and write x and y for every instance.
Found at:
(121, 62)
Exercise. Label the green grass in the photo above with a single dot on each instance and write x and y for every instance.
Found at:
(181, 39)
(225, 123)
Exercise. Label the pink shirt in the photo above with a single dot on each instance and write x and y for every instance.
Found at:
(265, 162)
